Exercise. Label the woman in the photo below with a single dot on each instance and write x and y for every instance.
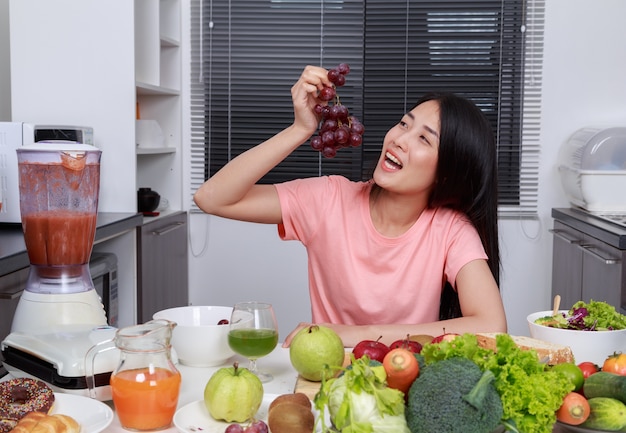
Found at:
(414, 250)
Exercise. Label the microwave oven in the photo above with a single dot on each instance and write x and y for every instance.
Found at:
(14, 135)
(103, 269)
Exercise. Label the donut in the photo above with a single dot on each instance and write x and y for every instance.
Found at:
(21, 396)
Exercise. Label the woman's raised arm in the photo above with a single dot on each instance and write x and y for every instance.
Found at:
(233, 192)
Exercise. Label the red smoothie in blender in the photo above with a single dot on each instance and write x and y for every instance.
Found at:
(58, 219)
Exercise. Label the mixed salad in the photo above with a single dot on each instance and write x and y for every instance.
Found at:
(592, 316)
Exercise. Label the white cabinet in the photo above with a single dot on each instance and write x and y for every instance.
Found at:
(158, 91)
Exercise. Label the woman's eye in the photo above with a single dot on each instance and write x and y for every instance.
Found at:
(424, 139)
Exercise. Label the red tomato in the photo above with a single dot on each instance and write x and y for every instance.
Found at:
(574, 410)
(615, 363)
(588, 368)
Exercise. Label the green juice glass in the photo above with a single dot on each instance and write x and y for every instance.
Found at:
(253, 333)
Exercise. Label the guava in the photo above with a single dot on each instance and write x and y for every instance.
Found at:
(313, 348)
(233, 394)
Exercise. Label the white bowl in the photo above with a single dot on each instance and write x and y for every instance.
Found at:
(197, 339)
(594, 346)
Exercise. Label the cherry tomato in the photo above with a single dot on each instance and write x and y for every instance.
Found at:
(574, 410)
(588, 368)
(572, 372)
(615, 363)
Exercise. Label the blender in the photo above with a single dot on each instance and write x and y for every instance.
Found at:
(59, 316)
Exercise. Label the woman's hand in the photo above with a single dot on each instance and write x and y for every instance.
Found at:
(293, 333)
(304, 94)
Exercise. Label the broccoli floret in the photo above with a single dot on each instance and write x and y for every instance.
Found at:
(452, 396)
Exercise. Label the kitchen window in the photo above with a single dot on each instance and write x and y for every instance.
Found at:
(246, 55)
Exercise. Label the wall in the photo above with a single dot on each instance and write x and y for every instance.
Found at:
(87, 78)
(583, 84)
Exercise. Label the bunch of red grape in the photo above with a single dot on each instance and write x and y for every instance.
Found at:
(254, 427)
(337, 127)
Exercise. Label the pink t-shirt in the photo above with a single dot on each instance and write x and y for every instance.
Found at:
(357, 275)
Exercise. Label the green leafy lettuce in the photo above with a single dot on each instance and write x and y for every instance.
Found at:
(530, 392)
(600, 315)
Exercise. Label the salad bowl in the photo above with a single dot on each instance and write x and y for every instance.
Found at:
(593, 346)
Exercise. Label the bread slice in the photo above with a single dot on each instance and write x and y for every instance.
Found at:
(546, 352)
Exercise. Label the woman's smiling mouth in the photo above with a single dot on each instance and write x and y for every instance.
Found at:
(392, 162)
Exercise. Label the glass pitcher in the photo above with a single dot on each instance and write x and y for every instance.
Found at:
(146, 384)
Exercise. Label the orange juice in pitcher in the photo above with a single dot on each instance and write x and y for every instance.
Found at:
(146, 384)
(144, 398)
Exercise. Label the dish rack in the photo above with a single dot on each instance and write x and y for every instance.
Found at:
(592, 166)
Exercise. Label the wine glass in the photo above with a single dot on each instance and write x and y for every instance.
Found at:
(253, 333)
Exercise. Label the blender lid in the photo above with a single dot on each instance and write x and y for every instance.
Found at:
(59, 146)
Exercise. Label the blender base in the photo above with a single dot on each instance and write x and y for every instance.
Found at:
(37, 311)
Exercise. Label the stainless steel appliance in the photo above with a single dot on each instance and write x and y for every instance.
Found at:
(103, 269)
(14, 135)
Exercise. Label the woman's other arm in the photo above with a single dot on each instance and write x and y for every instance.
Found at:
(232, 192)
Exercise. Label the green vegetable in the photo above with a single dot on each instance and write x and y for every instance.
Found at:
(453, 396)
(530, 393)
(607, 414)
(605, 384)
(603, 315)
(594, 316)
(359, 400)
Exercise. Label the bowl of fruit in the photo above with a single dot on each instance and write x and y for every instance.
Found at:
(594, 331)
(200, 338)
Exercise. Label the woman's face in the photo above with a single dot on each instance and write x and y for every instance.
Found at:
(408, 161)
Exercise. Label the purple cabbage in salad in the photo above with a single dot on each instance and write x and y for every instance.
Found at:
(593, 316)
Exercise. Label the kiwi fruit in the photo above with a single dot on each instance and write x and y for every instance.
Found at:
(291, 417)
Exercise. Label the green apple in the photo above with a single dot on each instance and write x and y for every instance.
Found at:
(313, 348)
(233, 394)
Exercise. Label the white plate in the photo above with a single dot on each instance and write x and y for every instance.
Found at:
(195, 418)
(92, 415)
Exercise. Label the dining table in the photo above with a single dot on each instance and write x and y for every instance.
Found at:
(285, 380)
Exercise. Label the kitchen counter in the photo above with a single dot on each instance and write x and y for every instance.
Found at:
(586, 222)
(13, 255)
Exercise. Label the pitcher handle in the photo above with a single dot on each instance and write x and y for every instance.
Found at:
(90, 360)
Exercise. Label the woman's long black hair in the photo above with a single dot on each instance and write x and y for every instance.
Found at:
(466, 179)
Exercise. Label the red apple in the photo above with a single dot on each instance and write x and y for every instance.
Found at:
(446, 336)
(413, 346)
(374, 349)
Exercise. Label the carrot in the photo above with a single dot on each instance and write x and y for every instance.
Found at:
(574, 410)
(402, 369)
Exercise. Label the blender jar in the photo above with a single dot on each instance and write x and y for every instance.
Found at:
(59, 186)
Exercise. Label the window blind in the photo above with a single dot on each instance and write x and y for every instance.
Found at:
(246, 55)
